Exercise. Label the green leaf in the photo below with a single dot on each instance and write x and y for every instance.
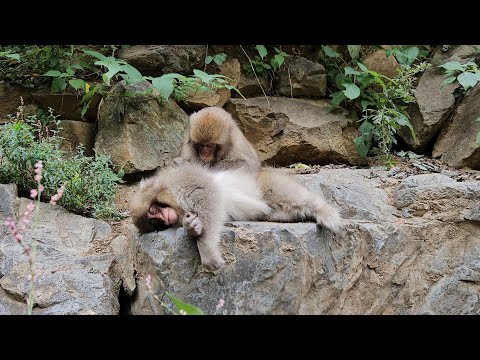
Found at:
(363, 144)
(279, 59)
(95, 54)
(262, 51)
(330, 52)
(219, 59)
(164, 85)
(70, 71)
(208, 59)
(407, 56)
(361, 66)
(467, 79)
(337, 98)
(12, 56)
(54, 73)
(77, 66)
(402, 120)
(133, 75)
(477, 141)
(77, 84)
(401, 153)
(351, 91)
(354, 51)
(365, 103)
(452, 65)
(58, 84)
(349, 71)
(447, 80)
(203, 76)
(180, 305)
(366, 127)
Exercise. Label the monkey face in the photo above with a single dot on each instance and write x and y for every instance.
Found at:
(206, 152)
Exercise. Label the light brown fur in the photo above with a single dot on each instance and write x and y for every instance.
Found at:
(213, 125)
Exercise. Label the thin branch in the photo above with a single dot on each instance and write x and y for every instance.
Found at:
(290, 80)
(261, 87)
(205, 67)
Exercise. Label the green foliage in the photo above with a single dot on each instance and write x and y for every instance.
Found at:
(467, 75)
(218, 59)
(90, 184)
(185, 308)
(407, 55)
(262, 65)
(381, 100)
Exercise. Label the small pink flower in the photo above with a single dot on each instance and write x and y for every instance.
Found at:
(30, 207)
(33, 193)
(41, 187)
(148, 282)
(39, 164)
(220, 304)
(38, 178)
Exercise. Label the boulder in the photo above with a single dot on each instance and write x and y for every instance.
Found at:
(378, 61)
(156, 60)
(10, 99)
(249, 86)
(456, 144)
(74, 274)
(295, 130)
(139, 132)
(433, 107)
(300, 77)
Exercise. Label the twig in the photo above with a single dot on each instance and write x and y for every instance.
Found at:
(261, 87)
(290, 81)
(205, 67)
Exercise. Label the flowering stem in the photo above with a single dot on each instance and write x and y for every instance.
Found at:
(31, 260)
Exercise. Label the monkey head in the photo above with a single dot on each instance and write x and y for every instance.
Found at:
(210, 133)
(153, 208)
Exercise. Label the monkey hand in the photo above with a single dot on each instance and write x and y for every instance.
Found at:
(192, 224)
(329, 218)
(178, 161)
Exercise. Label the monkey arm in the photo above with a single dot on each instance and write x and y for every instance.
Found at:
(230, 164)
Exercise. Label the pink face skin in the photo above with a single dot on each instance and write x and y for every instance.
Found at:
(165, 214)
(206, 152)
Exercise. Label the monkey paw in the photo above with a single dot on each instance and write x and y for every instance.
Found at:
(214, 264)
(330, 220)
(192, 224)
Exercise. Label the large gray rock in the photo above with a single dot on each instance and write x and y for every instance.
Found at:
(295, 130)
(140, 133)
(74, 274)
(155, 60)
(301, 77)
(456, 144)
(434, 106)
(384, 261)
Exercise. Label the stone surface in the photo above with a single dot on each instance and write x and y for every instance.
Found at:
(250, 87)
(456, 144)
(75, 133)
(295, 130)
(155, 60)
(378, 61)
(460, 53)
(386, 260)
(435, 105)
(10, 99)
(140, 133)
(74, 273)
(300, 77)
(68, 105)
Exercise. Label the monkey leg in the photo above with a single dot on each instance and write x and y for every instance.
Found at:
(210, 254)
(291, 201)
(192, 223)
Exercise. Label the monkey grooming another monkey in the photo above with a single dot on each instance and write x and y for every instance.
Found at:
(215, 140)
(200, 200)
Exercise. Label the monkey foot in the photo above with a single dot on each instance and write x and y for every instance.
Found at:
(192, 224)
(329, 220)
(214, 264)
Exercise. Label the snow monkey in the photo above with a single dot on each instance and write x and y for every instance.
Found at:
(201, 200)
(215, 139)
